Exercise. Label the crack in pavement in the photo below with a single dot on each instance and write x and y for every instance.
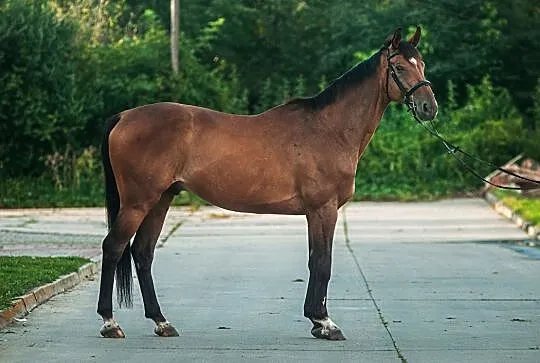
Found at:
(165, 238)
(370, 293)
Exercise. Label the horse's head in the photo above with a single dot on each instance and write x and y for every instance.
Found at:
(406, 81)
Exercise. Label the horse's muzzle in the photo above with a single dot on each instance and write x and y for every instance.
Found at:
(426, 110)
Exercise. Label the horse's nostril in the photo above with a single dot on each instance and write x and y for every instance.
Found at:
(425, 107)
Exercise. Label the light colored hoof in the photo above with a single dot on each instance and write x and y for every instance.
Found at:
(326, 329)
(328, 334)
(166, 330)
(111, 329)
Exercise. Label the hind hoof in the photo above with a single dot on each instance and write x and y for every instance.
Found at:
(111, 329)
(166, 330)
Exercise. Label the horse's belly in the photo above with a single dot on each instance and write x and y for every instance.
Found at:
(246, 190)
(249, 204)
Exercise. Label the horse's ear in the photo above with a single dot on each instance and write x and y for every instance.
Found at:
(395, 39)
(415, 39)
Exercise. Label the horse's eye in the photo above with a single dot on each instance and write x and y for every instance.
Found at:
(399, 67)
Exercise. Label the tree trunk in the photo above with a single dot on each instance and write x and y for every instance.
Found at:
(175, 27)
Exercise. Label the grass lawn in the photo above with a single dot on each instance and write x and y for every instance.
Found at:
(18, 275)
(527, 208)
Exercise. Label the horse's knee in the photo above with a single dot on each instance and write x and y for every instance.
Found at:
(142, 256)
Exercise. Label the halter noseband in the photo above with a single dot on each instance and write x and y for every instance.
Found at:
(407, 94)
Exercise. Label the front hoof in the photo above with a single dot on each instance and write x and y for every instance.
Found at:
(326, 329)
(111, 329)
(329, 334)
(166, 330)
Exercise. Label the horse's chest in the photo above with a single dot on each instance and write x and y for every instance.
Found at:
(345, 189)
(338, 184)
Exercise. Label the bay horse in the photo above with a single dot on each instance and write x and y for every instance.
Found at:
(297, 158)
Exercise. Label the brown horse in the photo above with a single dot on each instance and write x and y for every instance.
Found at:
(297, 158)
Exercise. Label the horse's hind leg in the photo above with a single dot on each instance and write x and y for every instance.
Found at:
(143, 255)
(115, 243)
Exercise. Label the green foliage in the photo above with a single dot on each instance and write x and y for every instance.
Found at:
(405, 162)
(42, 101)
(273, 94)
(532, 133)
(42, 192)
(65, 77)
(528, 208)
(488, 122)
(67, 65)
(136, 70)
(19, 275)
(103, 21)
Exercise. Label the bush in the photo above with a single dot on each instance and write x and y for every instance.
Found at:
(532, 134)
(41, 102)
(59, 86)
(136, 70)
(64, 70)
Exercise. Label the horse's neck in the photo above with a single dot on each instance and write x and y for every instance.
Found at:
(354, 117)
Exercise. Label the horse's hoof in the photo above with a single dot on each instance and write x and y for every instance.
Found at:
(326, 329)
(166, 330)
(111, 329)
(323, 333)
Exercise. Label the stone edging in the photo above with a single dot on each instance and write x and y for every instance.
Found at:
(22, 305)
(506, 211)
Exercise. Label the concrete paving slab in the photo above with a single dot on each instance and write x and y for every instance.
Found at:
(474, 356)
(438, 221)
(448, 271)
(447, 298)
(71, 221)
(64, 232)
(234, 285)
(463, 324)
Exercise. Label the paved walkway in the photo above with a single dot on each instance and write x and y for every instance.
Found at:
(426, 282)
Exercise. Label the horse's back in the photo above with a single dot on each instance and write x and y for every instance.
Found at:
(261, 163)
(234, 161)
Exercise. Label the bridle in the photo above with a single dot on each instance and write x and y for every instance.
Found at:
(452, 149)
(406, 94)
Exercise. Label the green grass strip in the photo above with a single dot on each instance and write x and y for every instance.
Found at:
(19, 275)
(527, 208)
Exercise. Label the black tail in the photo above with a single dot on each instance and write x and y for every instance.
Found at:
(124, 280)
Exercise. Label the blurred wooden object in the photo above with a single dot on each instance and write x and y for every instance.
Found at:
(528, 168)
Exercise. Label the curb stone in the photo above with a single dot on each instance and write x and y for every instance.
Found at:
(507, 212)
(23, 305)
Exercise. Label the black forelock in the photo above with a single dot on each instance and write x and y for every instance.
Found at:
(352, 77)
(408, 50)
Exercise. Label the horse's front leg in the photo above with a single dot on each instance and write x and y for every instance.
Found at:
(321, 225)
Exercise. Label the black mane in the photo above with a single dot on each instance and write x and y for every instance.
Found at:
(350, 78)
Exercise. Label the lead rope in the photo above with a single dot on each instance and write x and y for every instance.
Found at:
(453, 150)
